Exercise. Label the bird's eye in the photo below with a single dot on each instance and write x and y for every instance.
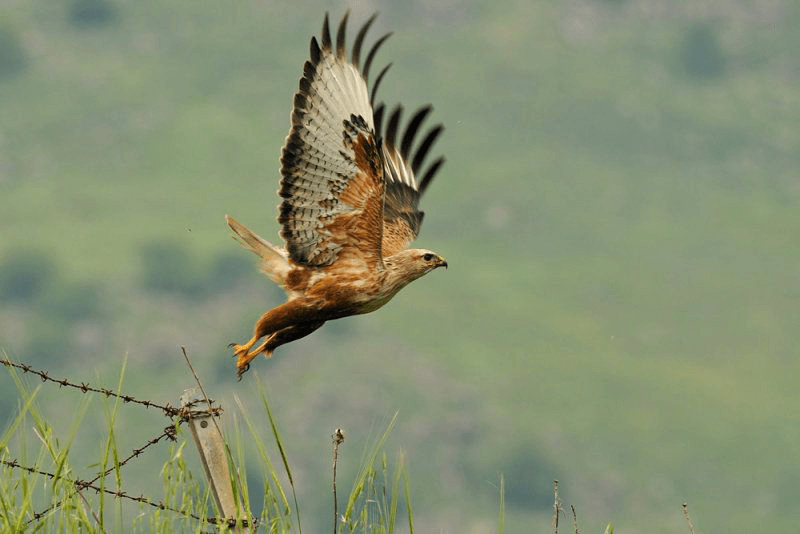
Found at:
(427, 257)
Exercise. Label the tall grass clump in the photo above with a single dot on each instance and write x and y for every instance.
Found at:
(43, 488)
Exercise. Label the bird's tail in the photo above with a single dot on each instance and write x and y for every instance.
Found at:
(274, 263)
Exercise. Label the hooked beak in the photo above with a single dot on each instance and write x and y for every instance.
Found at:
(442, 262)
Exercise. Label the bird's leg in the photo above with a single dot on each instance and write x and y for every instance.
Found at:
(287, 335)
(242, 352)
(275, 340)
(239, 350)
(243, 357)
(283, 316)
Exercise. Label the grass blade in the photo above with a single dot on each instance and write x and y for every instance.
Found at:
(279, 442)
(366, 467)
(407, 489)
(501, 521)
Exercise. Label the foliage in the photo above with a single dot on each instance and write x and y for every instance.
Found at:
(25, 274)
(228, 269)
(91, 13)
(13, 58)
(168, 267)
(41, 489)
(702, 54)
(76, 301)
(522, 466)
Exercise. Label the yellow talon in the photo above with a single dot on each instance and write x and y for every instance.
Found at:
(241, 370)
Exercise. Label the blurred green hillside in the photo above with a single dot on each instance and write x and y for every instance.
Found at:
(619, 209)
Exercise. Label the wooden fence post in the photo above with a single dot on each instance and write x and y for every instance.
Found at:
(211, 447)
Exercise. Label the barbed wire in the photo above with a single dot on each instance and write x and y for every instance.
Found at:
(183, 414)
(169, 411)
(89, 484)
(169, 432)
(85, 484)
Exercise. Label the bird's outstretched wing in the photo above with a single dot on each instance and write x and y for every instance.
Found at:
(401, 215)
(331, 164)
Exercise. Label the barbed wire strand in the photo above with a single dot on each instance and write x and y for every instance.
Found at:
(169, 432)
(169, 411)
(85, 484)
(90, 484)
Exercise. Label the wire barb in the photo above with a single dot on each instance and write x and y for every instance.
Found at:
(169, 433)
(180, 416)
(83, 387)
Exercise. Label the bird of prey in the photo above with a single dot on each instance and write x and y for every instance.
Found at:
(350, 198)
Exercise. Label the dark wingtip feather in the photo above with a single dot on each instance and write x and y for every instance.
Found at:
(309, 70)
(391, 126)
(299, 101)
(377, 118)
(356, 58)
(305, 85)
(340, 36)
(314, 51)
(412, 128)
(372, 53)
(377, 84)
(326, 33)
(429, 174)
(425, 146)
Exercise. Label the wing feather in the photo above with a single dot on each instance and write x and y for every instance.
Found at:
(356, 58)
(348, 195)
(331, 163)
(401, 215)
(372, 52)
(377, 84)
(411, 130)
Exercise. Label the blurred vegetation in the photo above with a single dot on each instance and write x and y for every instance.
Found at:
(25, 275)
(619, 210)
(78, 301)
(228, 269)
(168, 267)
(12, 55)
(702, 54)
(521, 467)
(91, 13)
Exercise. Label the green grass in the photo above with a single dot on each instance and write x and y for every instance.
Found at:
(39, 490)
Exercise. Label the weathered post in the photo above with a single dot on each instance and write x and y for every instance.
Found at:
(211, 447)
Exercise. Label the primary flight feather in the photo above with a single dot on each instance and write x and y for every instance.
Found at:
(350, 203)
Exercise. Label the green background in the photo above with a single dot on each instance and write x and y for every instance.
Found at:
(619, 209)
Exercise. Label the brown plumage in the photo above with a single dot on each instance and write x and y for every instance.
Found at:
(350, 200)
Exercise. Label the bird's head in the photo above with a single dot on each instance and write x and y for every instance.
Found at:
(413, 263)
(429, 260)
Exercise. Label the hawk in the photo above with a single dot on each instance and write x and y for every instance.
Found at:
(350, 199)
